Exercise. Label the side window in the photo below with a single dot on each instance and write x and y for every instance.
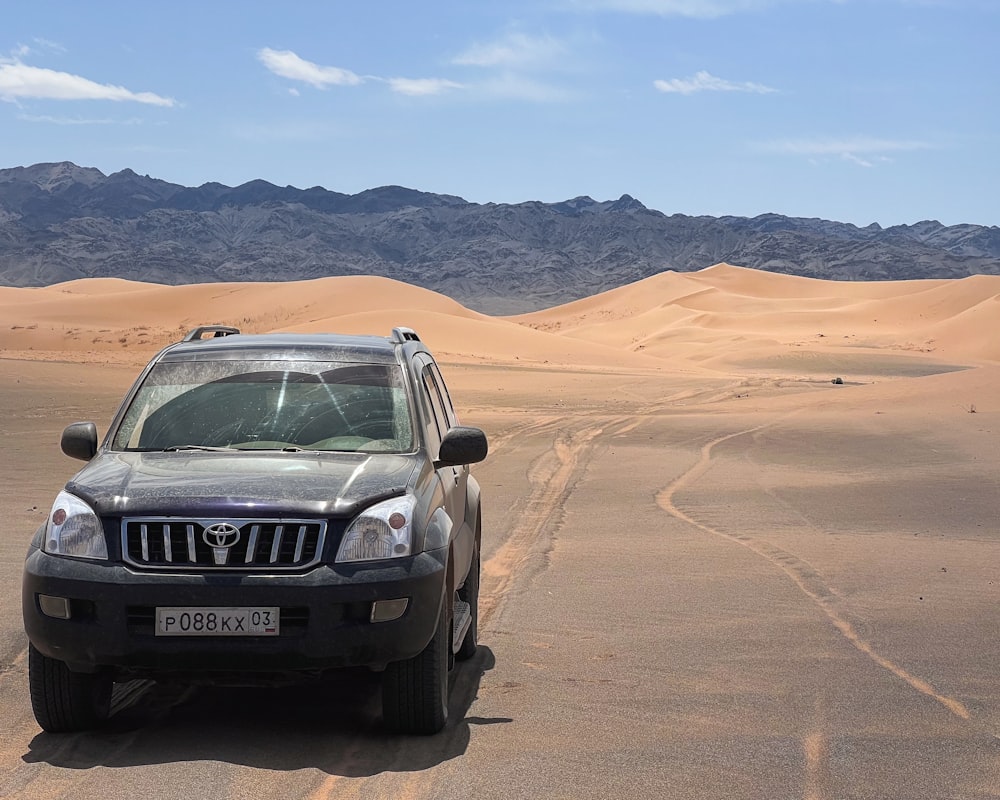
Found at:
(437, 407)
(449, 409)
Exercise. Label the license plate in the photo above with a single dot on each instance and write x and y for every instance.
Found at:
(217, 621)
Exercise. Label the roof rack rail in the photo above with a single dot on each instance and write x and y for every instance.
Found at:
(215, 330)
(403, 335)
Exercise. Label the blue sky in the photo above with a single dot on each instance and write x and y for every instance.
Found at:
(859, 111)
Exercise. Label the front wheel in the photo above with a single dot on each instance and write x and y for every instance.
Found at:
(415, 691)
(64, 701)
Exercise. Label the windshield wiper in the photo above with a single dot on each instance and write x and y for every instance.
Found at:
(174, 448)
(288, 448)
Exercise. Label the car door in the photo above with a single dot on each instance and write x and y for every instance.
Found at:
(454, 480)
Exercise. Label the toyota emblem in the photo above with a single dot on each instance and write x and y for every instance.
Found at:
(221, 534)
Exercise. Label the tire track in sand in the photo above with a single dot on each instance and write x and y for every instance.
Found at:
(523, 554)
(552, 476)
(809, 581)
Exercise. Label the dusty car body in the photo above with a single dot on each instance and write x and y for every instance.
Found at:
(263, 509)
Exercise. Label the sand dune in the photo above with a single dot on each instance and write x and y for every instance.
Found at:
(726, 312)
(720, 318)
(127, 321)
(463, 338)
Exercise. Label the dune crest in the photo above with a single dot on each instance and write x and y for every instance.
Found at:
(721, 318)
(724, 313)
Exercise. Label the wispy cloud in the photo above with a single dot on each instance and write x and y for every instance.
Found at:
(502, 79)
(421, 87)
(854, 158)
(287, 64)
(706, 82)
(49, 45)
(515, 49)
(513, 86)
(513, 67)
(20, 81)
(76, 120)
(701, 9)
(38, 45)
(865, 151)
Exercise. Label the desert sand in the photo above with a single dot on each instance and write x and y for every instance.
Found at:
(740, 542)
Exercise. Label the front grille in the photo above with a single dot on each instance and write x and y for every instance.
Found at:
(262, 544)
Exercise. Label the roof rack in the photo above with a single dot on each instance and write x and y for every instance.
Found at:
(403, 335)
(215, 330)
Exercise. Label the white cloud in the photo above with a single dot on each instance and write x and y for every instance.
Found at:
(421, 87)
(706, 82)
(513, 50)
(19, 81)
(287, 64)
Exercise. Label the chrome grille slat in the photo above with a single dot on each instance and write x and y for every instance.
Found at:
(168, 551)
(252, 544)
(300, 542)
(279, 533)
(263, 544)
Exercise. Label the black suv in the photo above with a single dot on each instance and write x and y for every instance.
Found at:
(264, 508)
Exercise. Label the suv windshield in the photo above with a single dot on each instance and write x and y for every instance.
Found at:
(268, 405)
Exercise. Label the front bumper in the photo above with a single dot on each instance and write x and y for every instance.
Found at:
(325, 616)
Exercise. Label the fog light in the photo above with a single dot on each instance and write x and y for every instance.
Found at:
(57, 607)
(388, 610)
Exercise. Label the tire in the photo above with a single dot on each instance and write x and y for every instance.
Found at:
(64, 701)
(469, 593)
(415, 691)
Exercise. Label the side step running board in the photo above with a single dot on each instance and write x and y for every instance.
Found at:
(460, 624)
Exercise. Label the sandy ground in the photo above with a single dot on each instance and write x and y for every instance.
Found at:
(709, 571)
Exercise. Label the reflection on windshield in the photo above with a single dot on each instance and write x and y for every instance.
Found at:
(258, 405)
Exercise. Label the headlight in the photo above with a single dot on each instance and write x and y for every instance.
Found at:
(383, 531)
(73, 529)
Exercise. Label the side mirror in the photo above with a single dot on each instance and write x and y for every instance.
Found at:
(462, 445)
(79, 440)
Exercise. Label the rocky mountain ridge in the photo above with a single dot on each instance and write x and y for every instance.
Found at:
(60, 222)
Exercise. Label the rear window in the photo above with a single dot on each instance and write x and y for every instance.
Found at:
(259, 405)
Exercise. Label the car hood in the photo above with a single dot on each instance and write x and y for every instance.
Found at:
(203, 484)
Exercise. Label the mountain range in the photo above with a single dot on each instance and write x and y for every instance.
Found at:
(60, 222)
